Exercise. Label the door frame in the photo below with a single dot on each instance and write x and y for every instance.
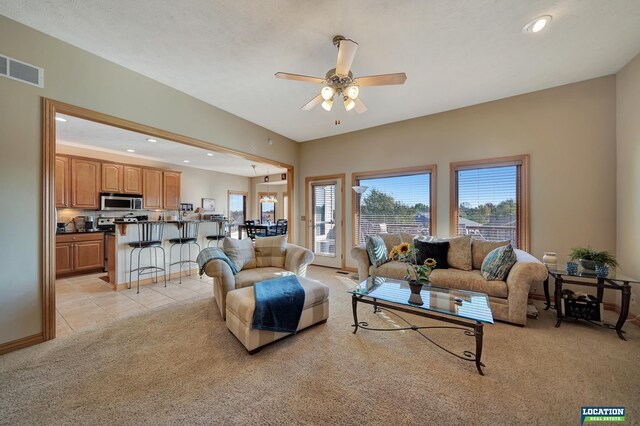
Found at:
(307, 194)
(52, 107)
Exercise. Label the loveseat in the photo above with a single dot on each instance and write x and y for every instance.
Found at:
(507, 299)
(296, 261)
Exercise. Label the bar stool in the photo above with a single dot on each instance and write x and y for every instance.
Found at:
(149, 237)
(188, 231)
(223, 232)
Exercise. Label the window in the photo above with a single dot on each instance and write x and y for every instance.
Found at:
(489, 199)
(267, 208)
(237, 211)
(399, 200)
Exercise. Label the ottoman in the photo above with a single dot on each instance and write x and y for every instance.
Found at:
(241, 303)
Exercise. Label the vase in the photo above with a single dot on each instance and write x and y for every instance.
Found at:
(416, 299)
(415, 287)
(602, 270)
(587, 265)
(550, 259)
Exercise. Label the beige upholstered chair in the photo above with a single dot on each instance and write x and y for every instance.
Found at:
(297, 259)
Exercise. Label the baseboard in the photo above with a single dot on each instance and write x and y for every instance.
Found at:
(145, 281)
(606, 305)
(21, 343)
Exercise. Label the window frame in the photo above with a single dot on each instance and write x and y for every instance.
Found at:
(275, 210)
(521, 162)
(405, 171)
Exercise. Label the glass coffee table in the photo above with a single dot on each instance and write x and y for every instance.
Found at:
(466, 310)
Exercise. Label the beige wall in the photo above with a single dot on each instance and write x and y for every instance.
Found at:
(628, 172)
(77, 77)
(569, 133)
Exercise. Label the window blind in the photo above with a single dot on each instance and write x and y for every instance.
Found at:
(324, 210)
(394, 204)
(487, 203)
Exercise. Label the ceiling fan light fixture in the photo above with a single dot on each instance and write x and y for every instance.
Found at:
(348, 103)
(327, 93)
(327, 104)
(353, 91)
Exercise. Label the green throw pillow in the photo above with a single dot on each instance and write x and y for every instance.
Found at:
(498, 263)
(377, 250)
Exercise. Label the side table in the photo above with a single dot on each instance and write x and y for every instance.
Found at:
(612, 281)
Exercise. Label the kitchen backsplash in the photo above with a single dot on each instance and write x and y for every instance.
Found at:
(67, 215)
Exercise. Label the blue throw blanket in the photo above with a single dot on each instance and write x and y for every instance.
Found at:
(210, 253)
(279, 304)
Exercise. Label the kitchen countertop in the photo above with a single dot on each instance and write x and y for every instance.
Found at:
(79, 232)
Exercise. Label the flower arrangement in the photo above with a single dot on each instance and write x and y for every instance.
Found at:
(406, 253)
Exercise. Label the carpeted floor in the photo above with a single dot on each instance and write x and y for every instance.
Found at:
(180, 365)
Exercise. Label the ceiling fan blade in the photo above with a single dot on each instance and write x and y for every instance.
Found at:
(298, 77)
(360, 106)
(346, 53)
(382, 80)
(313, 102)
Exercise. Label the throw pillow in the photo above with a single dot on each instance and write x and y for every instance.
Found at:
(481, 248)
(498, 263)
(459, 255)
(240, 252)
(435, 250)
(271, 251)
(377, 250)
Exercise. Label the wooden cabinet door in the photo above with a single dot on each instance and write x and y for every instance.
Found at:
(64, 258)
(85, 184)
(88, 255)
(132, 177)
(61, 181)
(112, 177)
(151, 189)
(171, 196)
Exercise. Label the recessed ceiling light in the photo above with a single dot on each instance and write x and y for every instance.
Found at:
(537, 24)
(185, 161)
(131, 150)
(63, 120)
(210, 154)
(151, 140)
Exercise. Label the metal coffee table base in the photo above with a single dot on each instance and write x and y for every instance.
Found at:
(474, 329)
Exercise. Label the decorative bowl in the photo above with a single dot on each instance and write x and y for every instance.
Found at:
(588, 265)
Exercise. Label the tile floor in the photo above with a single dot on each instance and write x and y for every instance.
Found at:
(85, 301)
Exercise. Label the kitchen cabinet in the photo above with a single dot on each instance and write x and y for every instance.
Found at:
(61, 181)
(85, 183)
(112, 177)
(152, 189)
(171, 193)
(132, 180)
(79, 253)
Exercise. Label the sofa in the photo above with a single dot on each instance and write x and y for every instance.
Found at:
(507, 299)
(296, 261)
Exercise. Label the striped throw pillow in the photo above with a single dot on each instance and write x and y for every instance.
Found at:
(377, 250)
(498, 263)
(240, 252)
(271, 251)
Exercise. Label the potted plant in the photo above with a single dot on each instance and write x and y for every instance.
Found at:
(406, 253)
(589, 258)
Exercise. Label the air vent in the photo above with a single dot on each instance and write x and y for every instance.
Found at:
(21, 71)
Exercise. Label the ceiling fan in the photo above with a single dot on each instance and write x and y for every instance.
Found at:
(339, 81)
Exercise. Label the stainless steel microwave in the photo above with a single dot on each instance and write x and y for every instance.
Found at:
(120, 202)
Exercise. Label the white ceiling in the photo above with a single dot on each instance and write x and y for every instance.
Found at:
(455, 53)
(100, 137)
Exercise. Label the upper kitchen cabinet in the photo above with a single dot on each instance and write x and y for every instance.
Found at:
(152, 189)
(61, 180)
(85, 183)
(132, 181)
(171, 190)
(112, 178)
